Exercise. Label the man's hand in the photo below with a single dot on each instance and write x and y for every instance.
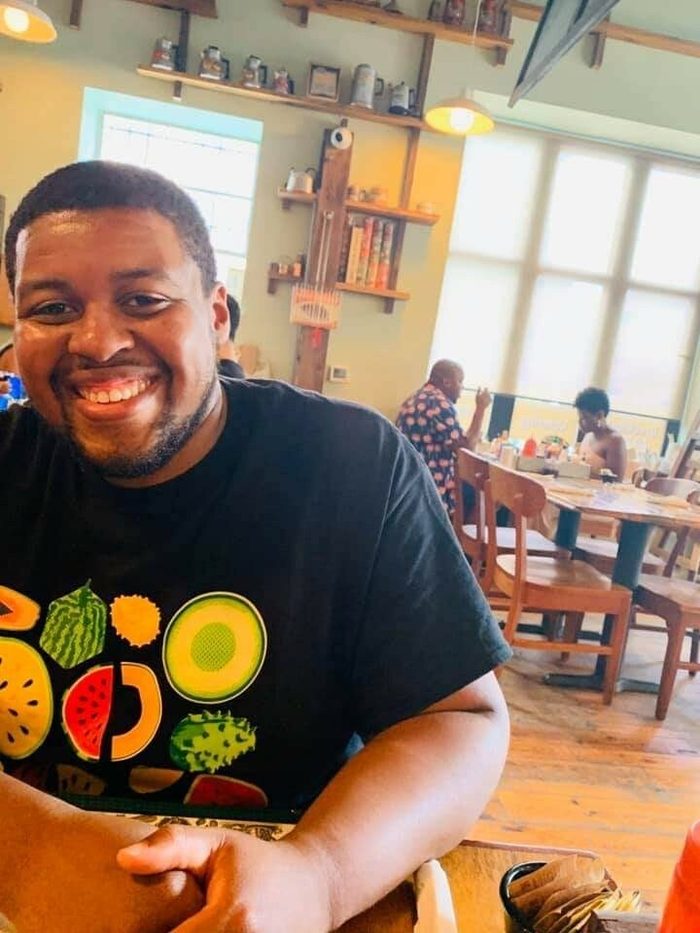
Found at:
(250, 885)
(483, 399)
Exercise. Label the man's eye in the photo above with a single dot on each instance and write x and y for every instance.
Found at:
(145, 303)
(54, 311)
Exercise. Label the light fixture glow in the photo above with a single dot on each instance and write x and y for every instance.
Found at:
(22, 19)
(460, 116)
(16, 20)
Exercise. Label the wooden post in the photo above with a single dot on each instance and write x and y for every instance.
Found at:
(312, 342)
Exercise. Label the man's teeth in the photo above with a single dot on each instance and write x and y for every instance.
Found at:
(104, 397)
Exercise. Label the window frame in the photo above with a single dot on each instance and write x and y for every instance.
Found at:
(616, 282)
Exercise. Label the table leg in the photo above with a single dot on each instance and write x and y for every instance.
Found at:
(630, 556)
(567, 529)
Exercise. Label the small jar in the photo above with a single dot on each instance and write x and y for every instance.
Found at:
(682, 910)
(454, 12)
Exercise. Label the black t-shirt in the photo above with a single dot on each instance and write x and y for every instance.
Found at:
(231, 368)
(223, 638)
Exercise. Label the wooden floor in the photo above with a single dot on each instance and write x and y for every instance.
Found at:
(611, 779)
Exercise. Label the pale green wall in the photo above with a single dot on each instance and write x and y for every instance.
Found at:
(40, 106)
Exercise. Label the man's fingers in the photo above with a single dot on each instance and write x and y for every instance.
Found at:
(169, 848)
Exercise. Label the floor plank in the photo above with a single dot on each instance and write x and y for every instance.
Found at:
(610, 779)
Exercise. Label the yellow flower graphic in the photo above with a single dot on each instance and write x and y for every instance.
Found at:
(135, 619)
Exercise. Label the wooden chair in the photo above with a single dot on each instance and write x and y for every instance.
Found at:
(473, 537)
(550, 584)
(602, 553)
(677, 602)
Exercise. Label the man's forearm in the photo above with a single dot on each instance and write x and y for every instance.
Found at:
(410, 795)
(58, 870)
(473, 432)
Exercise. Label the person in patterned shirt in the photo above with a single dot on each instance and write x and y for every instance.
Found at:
(429, 420)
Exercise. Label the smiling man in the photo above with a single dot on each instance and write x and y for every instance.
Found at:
(216, 591)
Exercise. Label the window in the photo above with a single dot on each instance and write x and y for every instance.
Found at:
(573, 263)
(212, 156)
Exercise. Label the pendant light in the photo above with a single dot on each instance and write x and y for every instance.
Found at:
(461, 116)
(22, 19)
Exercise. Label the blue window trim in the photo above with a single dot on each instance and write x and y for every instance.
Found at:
(96, 103)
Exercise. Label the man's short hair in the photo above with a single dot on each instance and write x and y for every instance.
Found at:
(91, 186)
(593, 400)
(234, 313)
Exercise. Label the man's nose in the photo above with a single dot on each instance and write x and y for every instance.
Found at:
(100, 333)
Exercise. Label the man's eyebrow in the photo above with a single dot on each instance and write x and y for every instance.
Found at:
(127, 275)
(40, 285)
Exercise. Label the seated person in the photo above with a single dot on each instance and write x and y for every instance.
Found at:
(229, 362)
(602, 447)
(216, 590)
(429, 420)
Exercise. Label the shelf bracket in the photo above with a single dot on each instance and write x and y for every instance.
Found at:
(598, 49)
(183, 43)
(304, 17)
(76, 11)
(504, 33)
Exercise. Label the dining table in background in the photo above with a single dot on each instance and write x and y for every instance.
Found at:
(638, 512)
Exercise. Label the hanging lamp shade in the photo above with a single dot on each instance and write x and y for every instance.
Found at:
(22, 19)
(460, 116)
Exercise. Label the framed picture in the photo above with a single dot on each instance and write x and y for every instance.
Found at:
(324, 83)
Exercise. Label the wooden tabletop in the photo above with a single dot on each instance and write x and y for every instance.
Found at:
(620, 500)
(474, 870)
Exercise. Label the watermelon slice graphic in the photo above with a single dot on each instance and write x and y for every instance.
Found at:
(86, 708)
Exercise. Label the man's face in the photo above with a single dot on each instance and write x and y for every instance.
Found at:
(588, 420)
(454, 385)
(115, 338)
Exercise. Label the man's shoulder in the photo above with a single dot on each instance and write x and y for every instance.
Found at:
(275, 399)
(20, 430)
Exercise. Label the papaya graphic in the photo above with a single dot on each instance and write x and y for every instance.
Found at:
(87, 706)
(18, 613)
(75, 627)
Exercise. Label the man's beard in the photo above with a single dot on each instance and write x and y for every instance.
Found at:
(172, 434)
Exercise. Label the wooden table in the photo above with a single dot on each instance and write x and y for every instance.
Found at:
(638, 511)
(474, 870)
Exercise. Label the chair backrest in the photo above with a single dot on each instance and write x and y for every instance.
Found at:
(524, 498)
(474, 470)
(670, 486)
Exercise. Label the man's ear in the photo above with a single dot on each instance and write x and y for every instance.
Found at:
(220, 318)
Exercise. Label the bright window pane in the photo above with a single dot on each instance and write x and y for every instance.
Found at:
(562, 338)
(668, 245)
(496, 195)
(218, 172)
(585, 211)
(475, 318)
(652, 353)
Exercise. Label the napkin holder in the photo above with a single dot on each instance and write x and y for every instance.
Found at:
(532, 465)
(572, 470)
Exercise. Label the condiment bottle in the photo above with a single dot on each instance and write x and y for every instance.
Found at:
(682, 910)
(529, 447)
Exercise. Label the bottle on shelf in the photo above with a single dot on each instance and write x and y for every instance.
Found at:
(682, 910)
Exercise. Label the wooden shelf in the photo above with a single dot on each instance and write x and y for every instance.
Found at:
(395, 213)
(289, 100)
(362, 207)
(388, 293)
(411, 24)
